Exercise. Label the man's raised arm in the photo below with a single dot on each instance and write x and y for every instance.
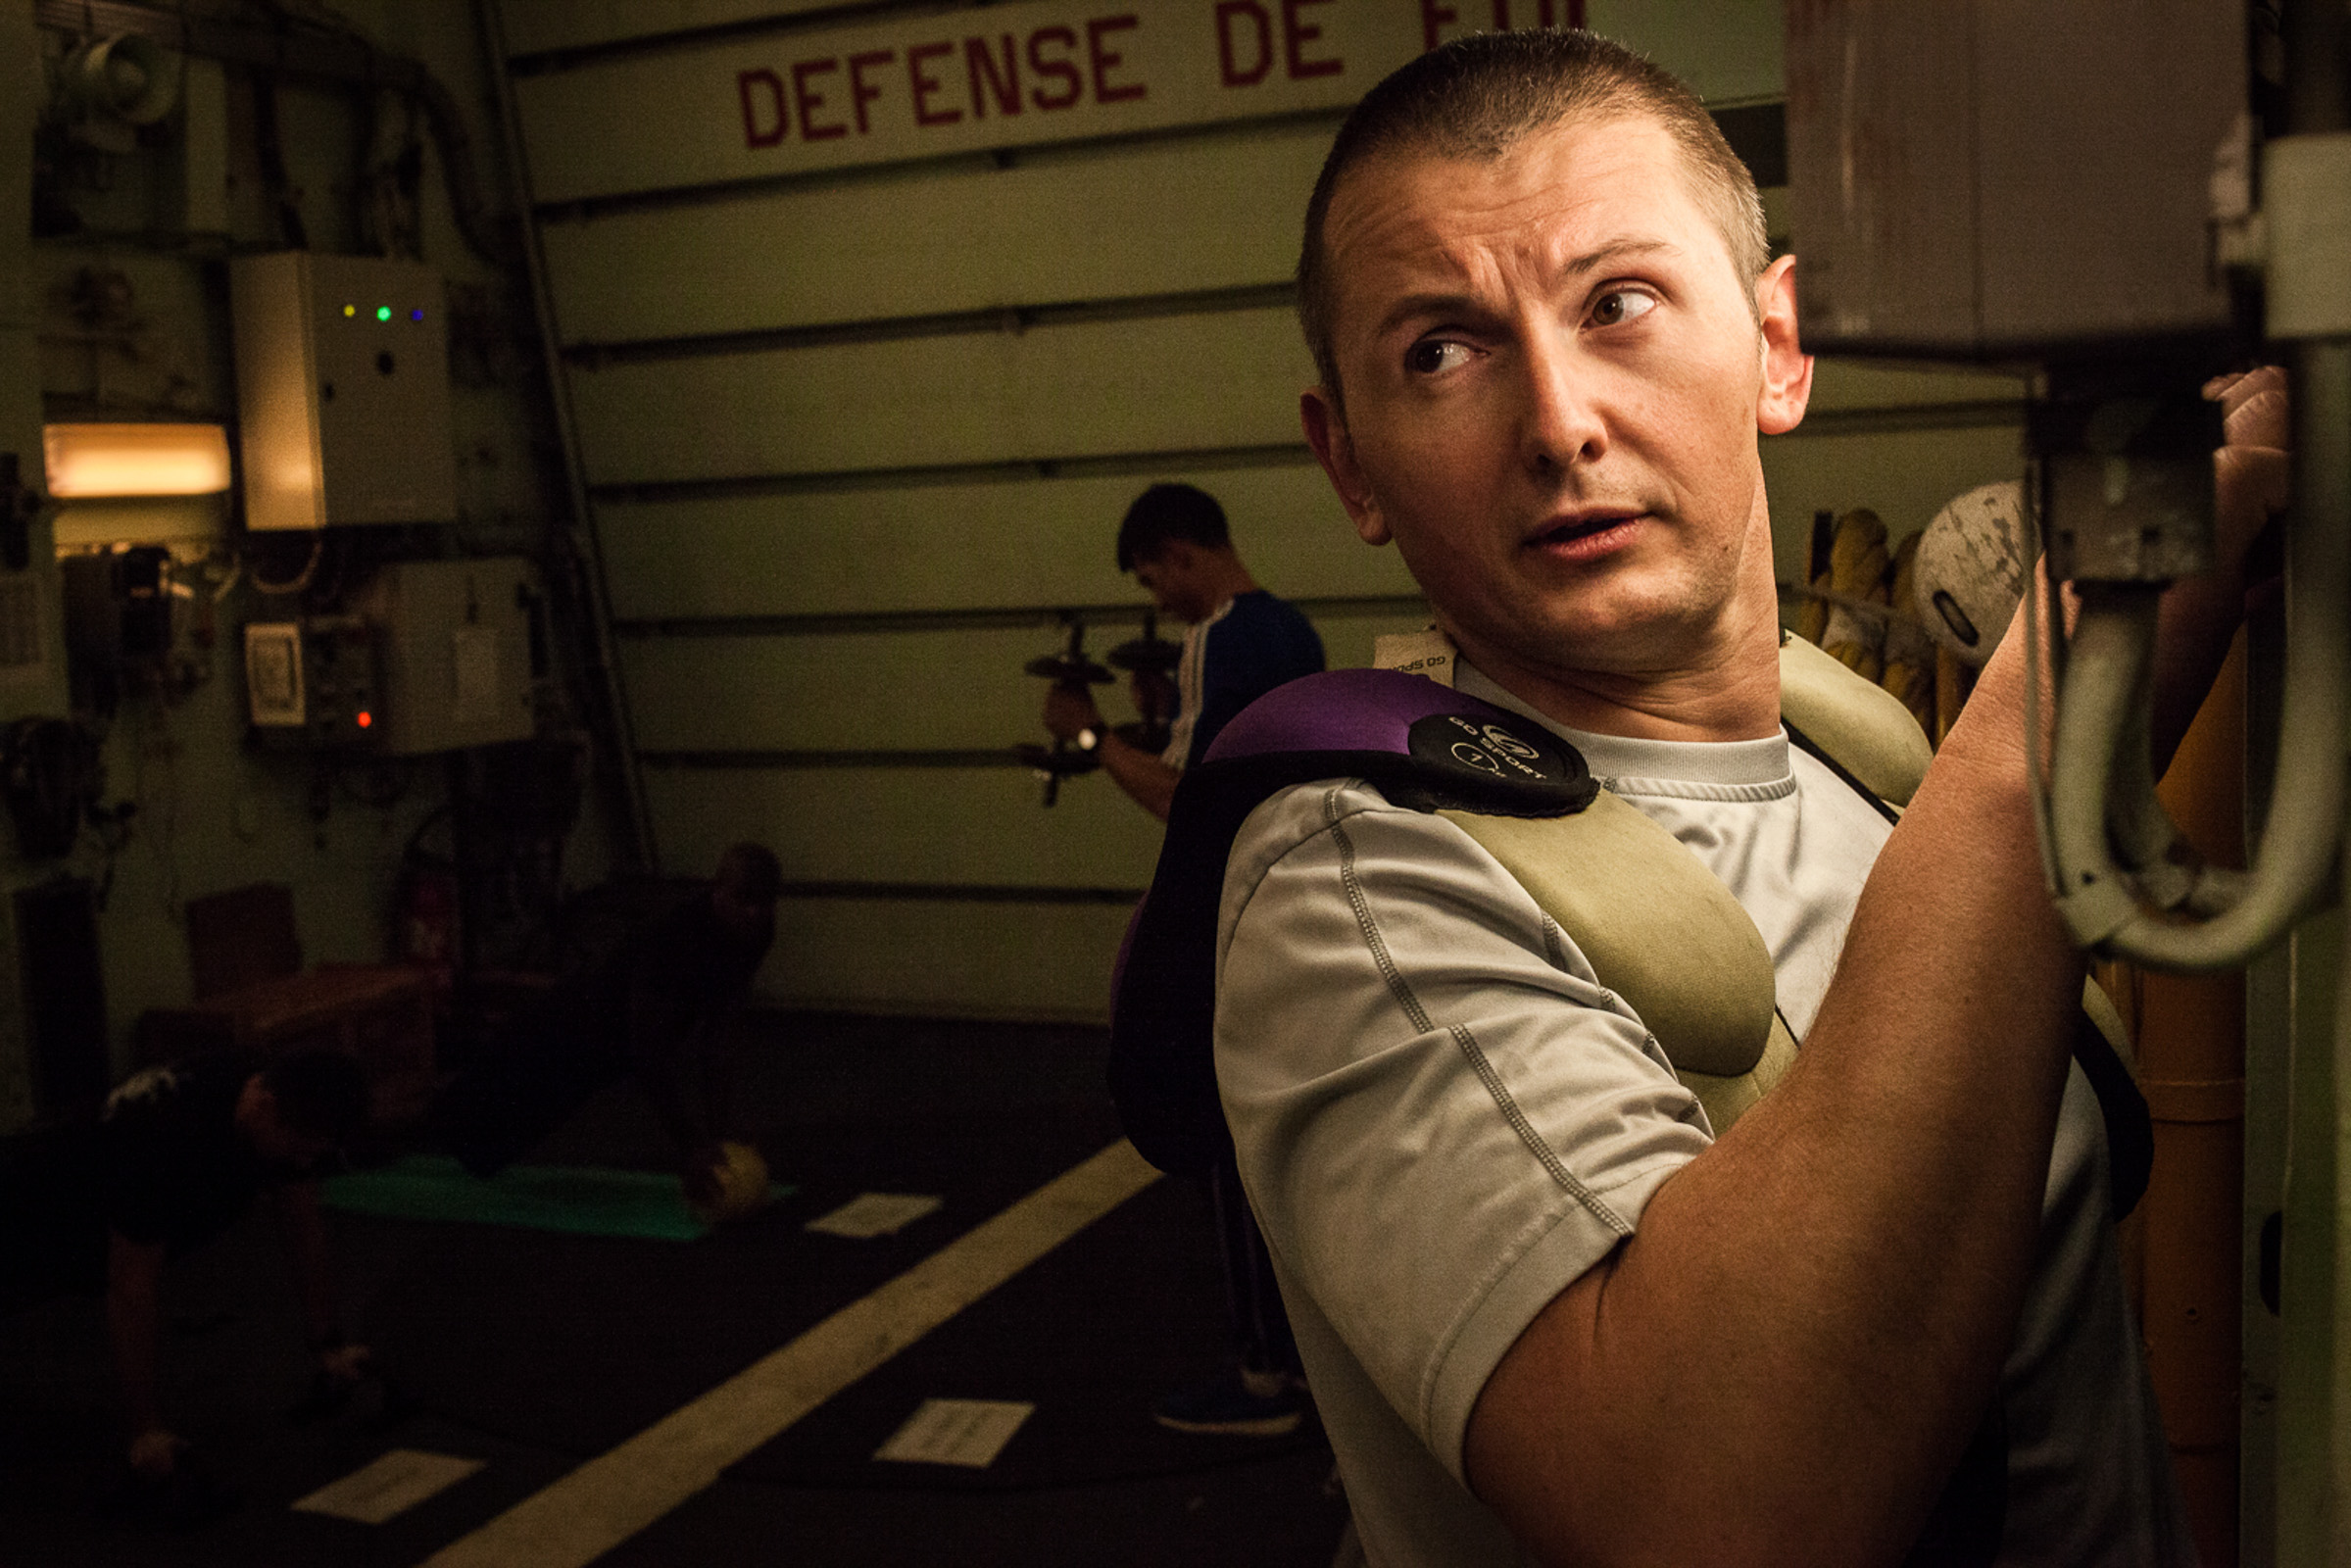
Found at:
(1788, 1356)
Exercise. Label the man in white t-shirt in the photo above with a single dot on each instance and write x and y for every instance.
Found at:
(1546, 1312)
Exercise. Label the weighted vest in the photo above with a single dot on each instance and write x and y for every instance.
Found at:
(1658, 928)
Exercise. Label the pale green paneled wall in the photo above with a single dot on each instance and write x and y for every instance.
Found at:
(1156, 220)
(949, 960)
(867, 824)
(914, 547)
(853, 436)
(1165, 383)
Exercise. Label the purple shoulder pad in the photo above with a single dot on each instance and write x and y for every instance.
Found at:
(1426, 746)
(1343, 711)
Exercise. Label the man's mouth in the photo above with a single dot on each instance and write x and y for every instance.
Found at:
(1575, 530)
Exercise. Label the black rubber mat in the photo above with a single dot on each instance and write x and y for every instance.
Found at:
(1091, 1334)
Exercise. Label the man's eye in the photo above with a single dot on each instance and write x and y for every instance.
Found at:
(1432, 354)
(1621, 305)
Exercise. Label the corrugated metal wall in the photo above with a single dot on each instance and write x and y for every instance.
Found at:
(858, 437)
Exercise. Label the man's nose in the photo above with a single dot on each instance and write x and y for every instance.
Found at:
(1560, 424)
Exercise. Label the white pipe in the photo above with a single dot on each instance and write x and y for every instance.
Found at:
(2147, 844)
(2304, 826)
(2108, 657)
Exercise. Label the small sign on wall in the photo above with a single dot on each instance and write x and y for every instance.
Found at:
(1046, 71)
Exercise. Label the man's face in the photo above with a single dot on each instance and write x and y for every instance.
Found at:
(1177, 581)
(743, 914)
(1553, 380)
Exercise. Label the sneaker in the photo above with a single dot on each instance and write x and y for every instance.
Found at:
(1230, 1407)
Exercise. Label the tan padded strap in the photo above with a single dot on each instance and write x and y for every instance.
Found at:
(2102, 1012)
(1728, 1099)
(1658, 928)
(1863, 725)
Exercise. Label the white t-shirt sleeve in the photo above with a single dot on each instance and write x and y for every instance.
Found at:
(1442, 1118)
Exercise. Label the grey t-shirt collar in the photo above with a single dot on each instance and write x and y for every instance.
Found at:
(1618, 761)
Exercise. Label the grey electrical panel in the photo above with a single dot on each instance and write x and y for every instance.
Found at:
(453, 640)
(1983, 178)
(313, 683)
(342, 367)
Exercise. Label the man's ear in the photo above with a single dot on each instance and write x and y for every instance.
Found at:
(1787, 367)
(1326, 433)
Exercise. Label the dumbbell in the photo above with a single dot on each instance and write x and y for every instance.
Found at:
(1152, 657)
(1069, 667)
(1149, 652)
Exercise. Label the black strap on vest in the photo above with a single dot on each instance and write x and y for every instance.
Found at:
(2130, 1129)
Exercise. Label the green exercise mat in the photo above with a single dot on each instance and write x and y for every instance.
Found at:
(585, 1201)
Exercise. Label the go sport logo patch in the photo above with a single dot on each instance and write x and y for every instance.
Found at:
(1471, 744)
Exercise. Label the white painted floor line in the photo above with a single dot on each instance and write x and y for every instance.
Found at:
(873, 1214)
(394, 1483)
(609, 1499)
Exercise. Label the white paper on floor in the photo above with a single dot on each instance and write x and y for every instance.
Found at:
(392, 1485)
(871, 1214)
(965, 1432)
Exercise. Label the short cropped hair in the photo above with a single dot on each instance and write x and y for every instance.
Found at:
(318, 1092)
(1166, 512)
(750, 871)
(1477, 96)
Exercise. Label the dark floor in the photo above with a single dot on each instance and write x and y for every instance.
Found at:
(534, 1351)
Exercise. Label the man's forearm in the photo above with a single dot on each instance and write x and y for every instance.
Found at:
(1788, 1354)
(1143, 774)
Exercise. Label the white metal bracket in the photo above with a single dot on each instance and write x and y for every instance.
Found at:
(2306, 210)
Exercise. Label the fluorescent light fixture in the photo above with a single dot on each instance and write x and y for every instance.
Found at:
(92, 461)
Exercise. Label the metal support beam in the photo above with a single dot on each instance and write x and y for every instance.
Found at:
(616, 735)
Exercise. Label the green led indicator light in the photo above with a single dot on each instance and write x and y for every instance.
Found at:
(384, 313)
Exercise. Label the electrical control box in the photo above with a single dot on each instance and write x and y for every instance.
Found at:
(454, 638)
(342, 366)
(1981, 179)
(313, 682)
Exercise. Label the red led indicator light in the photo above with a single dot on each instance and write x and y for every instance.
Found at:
(366, 718)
